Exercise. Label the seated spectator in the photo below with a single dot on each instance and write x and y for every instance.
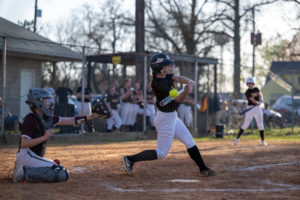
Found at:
(113, 101)
(11, 122)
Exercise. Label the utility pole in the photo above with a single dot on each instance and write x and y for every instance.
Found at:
(254, 43)
(35, 12)
(255, 40)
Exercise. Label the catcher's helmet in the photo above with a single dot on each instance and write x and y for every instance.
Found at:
(158, 60)
(35, 100)
(250, 80)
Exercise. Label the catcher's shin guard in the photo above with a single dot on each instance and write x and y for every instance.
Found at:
(46, 174)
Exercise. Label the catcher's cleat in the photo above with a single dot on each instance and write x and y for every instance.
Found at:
(208, 172)
(18, 175)
(127, 165)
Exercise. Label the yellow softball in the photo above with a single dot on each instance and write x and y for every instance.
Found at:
(173, 93)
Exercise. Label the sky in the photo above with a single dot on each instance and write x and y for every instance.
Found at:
(276, 20)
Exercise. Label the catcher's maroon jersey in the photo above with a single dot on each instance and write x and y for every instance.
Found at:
(31, 128)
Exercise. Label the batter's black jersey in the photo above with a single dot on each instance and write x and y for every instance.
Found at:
(161, 88)
(252, 93)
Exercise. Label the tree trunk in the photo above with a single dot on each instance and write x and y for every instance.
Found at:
(139, 38)
(237, 54)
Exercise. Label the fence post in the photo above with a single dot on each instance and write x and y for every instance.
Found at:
(196, 94)
(145, 93)
(3, 89)
(82, 85)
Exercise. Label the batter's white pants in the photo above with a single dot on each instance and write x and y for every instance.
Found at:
(257, 113)
(114, 120)
(151, 113)
(87, 109)
(185, 113)
(168, 126)
(125, 112)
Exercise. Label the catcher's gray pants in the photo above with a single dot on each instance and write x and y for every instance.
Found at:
(168, 126)
(114, 120)
(185, 113)
(26, 157)
(257, 114)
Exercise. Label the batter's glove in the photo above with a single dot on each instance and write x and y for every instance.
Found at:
(99, 107)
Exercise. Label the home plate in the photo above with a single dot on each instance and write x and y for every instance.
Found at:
(183, 181)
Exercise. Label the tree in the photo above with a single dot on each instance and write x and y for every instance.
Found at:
(231, 21)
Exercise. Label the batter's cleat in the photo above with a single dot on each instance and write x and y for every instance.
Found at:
(127, 165)
(235, 142)
(18, 175)
(264, 143)
(208, 172)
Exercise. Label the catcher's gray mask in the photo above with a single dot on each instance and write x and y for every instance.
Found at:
(35, 98)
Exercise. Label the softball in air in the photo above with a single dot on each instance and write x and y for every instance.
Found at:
(173, 93)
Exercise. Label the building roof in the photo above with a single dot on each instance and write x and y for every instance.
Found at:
(130, 58)
(285, 66)
(24, 43)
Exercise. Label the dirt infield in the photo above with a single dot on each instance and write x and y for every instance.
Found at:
(247, 171)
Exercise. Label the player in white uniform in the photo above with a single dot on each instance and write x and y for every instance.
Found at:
(254, 100)
(166, 121)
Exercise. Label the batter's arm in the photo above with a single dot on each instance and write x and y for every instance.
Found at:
(184, 94)
(183, 80)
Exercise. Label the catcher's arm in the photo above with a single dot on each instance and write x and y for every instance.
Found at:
(78, 119)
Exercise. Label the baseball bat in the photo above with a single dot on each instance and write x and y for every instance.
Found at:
(244, 111)
(168, 99)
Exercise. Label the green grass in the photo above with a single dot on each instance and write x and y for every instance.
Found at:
(270, 134)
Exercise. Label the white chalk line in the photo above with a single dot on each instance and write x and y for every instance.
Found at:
(270, 165)
(281, 188)
(183, 181)
(84, 169)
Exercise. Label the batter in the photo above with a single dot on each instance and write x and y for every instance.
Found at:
(166, 121)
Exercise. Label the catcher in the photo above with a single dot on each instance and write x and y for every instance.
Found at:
(37, 128)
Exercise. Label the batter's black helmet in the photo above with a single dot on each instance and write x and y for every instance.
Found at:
(157, 61)
(35, 99)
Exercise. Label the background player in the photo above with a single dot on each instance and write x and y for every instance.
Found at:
(36, 129)
(254, 100)
(167, 124)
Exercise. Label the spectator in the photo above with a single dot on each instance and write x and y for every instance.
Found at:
(113, 100)
(185, 110)
(137, 106)
(126, 108)
(50, 88)
(62, 93)
(151, 99)
(11, 122)
(84, 108)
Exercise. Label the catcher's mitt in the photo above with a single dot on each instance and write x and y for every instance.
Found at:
(99, 107)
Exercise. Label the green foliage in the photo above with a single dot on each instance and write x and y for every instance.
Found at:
(274, 50)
